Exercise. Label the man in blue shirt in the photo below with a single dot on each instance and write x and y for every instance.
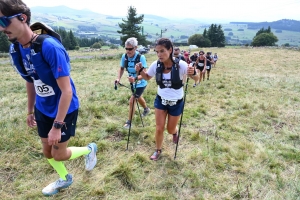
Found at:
(52, 102)
(128, 61)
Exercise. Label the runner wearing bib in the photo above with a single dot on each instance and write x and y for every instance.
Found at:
(209, 63)
(215, 59)
(201, 66)
(52, 102)
(169, 99)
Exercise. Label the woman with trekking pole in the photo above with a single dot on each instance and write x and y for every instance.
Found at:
(169, 99)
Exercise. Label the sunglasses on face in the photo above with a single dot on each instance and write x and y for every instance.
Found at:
(201, 54)
(129, 49)
(5, 21)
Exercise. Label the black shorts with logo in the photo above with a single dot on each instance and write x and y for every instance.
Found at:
(45, 123)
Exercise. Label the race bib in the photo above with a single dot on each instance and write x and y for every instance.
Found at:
(200, 64)
(207, 67)
(42, 89)
(168, 102)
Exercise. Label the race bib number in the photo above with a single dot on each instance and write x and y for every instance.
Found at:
(207, 67)
(42, 89)
(168, 102)
(200, 64)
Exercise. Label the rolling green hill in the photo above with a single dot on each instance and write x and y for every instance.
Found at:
(85, 23)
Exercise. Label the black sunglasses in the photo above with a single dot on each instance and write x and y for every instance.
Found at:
(129, 49)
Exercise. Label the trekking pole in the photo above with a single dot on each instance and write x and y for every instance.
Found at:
(184, 98)
(116, 87)
(133, 92)
(137, 103)
(136, 99)
(123, 85)
(130, 121)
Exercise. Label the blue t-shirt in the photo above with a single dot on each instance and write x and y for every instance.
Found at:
(131, 68)
(44, 72)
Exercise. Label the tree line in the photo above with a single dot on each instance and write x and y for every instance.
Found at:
(213, 37)
(130, 27)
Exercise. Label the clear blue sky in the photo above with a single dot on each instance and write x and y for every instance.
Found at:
(211, 11)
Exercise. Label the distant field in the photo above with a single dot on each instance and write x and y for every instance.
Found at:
(152, 27)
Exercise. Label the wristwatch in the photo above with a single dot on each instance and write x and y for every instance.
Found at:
(58, 125)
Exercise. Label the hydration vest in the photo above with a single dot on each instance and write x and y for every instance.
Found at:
(176, 82)
(137, 60)
(208, 60)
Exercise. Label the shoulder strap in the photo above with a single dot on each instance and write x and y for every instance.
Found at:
(17, 49)
(138, 58)
(37, 44)
(126, 62)
(159, 64)
(177, 60)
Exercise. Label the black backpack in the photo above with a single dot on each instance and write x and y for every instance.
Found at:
(43, 32)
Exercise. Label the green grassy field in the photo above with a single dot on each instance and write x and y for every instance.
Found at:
(240, 134)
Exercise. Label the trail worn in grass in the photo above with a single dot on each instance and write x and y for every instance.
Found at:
(240, 134)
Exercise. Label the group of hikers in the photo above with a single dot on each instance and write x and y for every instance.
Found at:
(202, 62)
(52, 101)
(169, 74)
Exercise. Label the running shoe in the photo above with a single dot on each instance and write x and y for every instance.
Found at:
(146, 112)
(56, 186)
(127, 124)
(175, 138)
(155, 155)
(91, 158)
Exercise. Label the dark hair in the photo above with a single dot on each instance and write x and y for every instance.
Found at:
(201, 52)
(13, 7)
(167, 44)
